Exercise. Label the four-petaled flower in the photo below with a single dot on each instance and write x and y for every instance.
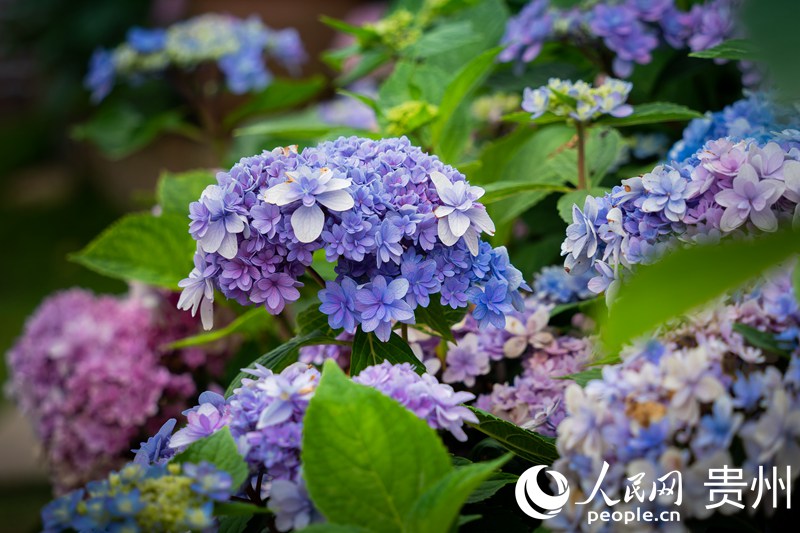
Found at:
(380, 303)
(749, 198)
(458, 212)
(311, 187)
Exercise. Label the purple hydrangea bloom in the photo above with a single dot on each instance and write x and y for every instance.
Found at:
(629, 29)
(491, 304)
(156, 449)
(708, 398)
(581, 245)
(92, 375)
(204, 421)
(665, 190)
(729, 185)
(312, 188)
(338, 303)
(380, 303)
(749, 197)
(436, 403)
(465, 361)
(293, 509)
(380, 209)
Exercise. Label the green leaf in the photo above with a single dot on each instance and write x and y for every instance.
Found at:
(582, 378)
(526, 444)
(575, 306)
(363, 34)
(284, 355)
(687, 278)
(652, 113)
(220, 450)
(439, 318)
(327, 527)
(280, 95)
(175, 191)
(119, 130)
(251, 321)
(369, 350)
(464, 84)
(154, 250)
(762, 339)
(523, 117)
(735, 49)
(239, 509)
(363, 98)
(311, 320)
(442, 39)
(506, 189)
(366, 459)
(490, 486)
(370, 60)
(233, 523)
(578, 197)
(437, 509)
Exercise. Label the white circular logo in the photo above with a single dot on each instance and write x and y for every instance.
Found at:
(528, 490)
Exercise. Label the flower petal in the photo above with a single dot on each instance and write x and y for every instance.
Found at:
(471, 238)
(459, 223)
(337, 184)
(445, 235)
(307, 223)
(441, 182)
(481, 219)
(280, 194)
(338, 200)
(764, 220)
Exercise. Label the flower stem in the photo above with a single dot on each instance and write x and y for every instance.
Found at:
(581, 131)
(404, 332)
(315, 275)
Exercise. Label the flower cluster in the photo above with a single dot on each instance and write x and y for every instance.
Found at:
(578, 100)
(756, 117)
(142, 498)
(237, 46)
(401, 226)
(727, 186)
(265, 417)
(92, 375)
(630, 29)
(696, 397)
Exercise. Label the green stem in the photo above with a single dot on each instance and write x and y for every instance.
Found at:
(581, 130)
(404, 332)
(315, 276)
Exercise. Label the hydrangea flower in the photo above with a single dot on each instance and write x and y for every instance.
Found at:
(239, 47)
(91, 374)
(629, 29)
(312, 188)
(727, 186)
(609, 98)
(697, 396)
(401, 226)
(265, 417)
(142, 498)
